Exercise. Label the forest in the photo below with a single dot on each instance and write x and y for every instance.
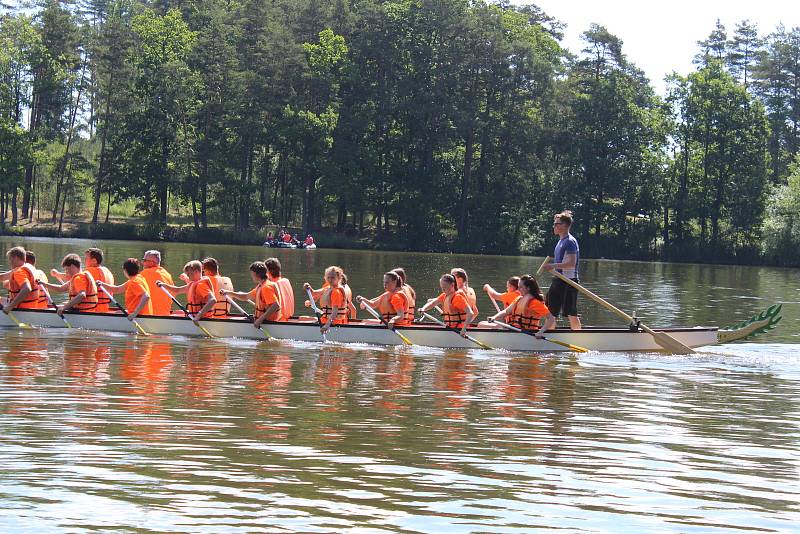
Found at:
(444, 125)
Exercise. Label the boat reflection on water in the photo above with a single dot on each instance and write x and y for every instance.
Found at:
(144, 371)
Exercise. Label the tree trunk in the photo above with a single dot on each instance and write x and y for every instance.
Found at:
(14, 206)
(466, 177)
(101, 167)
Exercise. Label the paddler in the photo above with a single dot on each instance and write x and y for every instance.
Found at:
(211, 271)
(511, 294)
(456, 310)
(266, 295)
(137, 292)
(351, 309)
(23, 288)
(199, 291)
(463, 285)
(528, 309)
(409, 291)
(284, 287)
(80, 286)
(93, 260)
(332, 299)
(392, 304)
(30, 258)
(153, 272)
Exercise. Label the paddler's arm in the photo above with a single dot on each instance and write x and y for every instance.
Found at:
(174, 290)
(331, 315)
(549, 324)
(491, 292)
(24, 290)
(6, 276)
(74, 301)
(272, 308)
(362, 301)
(568, 263)
(58, 275)
(112, 288)
(468, 321)
(59, 288)
(502, 314)
(238, 295)
(133, 314)
(205, 309)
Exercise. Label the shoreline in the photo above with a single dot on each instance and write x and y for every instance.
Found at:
(325, 239)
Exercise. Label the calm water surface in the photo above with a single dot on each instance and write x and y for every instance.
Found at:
(112, 432)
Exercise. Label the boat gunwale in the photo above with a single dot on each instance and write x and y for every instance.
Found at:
(238, 319)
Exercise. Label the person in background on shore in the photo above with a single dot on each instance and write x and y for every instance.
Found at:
(456, 310)
(137, 292)
(153, 273)
(287, 237)
(199, 291)
(80, 286)
(562, 298)
(332, 299)
(284, 287)
(265, 295)
(309, 240)
(93, 260)
(462, 280)
(23, 288)
(392, 304)
(512, 292)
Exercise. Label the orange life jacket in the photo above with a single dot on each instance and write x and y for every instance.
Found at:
(287, 297)
(451, 316)
(412, 302)
(31, 300)
(222, 308)
(324, 302)
(195, 301)
(387, 311)
(261, 305)
(89, 302)
(526, 316)
(101, 274)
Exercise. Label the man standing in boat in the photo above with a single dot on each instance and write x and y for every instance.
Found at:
(562, 298)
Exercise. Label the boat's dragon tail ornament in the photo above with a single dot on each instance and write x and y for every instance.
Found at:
(757, 324)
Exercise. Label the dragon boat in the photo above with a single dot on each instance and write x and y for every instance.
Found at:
(631, 339)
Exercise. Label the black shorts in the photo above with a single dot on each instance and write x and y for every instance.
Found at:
(562, 299)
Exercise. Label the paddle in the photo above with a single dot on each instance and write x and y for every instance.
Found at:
(541, 267)
(182, 307)
(317, 312)
(665, 340)
(378, 316)
(123, 310)
(441, 323)
(11, 316)
(575, 348)
(496, 305)
(53, 304)
(249, 316)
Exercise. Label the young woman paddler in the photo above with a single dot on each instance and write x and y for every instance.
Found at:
(456, 310)
(392, 304)
(332, 299)
(527, 310)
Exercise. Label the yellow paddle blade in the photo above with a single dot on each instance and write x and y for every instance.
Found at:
(575, 348)
(140, 329)
(671, 344)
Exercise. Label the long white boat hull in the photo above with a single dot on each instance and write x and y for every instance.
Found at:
(597, 339)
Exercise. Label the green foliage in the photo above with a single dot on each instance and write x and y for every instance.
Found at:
(432, 124)
(782, 225)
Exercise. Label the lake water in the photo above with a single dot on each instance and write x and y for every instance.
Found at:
(113, 432)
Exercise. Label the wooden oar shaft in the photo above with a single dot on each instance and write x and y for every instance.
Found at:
(317, 312)
(470, 338)
(250, 317)
(662, 338)
(183, 308)
(123, 310)
(539, 270)
(13, 317)
(576, 348)
(379, 317)
(53, 304)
